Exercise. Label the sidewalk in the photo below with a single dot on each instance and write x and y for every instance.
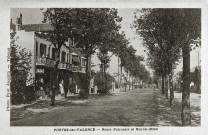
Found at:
(195, 99)
(40, 106)
(57, 98)
(171, 115)
(195, 103)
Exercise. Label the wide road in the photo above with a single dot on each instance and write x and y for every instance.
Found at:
(132, 108)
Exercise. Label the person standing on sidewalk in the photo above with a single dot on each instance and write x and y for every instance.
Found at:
(61, 87)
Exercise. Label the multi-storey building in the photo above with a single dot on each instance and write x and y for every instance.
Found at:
(72, 61)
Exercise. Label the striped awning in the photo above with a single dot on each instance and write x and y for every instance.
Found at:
(73, 53)
(76, 59)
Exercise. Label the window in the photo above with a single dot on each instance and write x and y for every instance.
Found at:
(63, 56)
(53, 53)
(48, 55)
(83, 62)
(36, 48)
(42, 50)
(75, 60)
(67, 58)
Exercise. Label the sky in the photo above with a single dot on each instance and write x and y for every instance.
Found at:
(35, 16)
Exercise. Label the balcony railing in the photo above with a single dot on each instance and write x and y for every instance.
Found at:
(62, 66)
(82, 69)
(75, 68)
(45, 61)
(66, 66)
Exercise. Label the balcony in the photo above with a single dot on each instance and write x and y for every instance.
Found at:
(62, 66)
(65, 66)
(82, 69)
(75, 68)
(43, 61)
(68, 66)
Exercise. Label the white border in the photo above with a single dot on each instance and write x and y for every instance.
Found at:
(5, 128)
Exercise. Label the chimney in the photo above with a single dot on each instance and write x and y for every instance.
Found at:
(19, 22)
(20, 15)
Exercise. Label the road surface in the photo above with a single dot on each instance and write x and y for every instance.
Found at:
(140, 107)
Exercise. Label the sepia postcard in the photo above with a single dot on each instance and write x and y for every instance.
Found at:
(104, 67)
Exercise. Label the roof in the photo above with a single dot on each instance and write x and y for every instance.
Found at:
(38, 27)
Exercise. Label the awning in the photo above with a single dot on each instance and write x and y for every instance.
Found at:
(73, 53)
(76, 59)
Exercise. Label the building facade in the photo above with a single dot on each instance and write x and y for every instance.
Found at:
(33, 37)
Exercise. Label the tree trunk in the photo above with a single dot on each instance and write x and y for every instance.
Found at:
(168, 85)
(129, 82)
(163, 85)
(118, 75)
(171, 93)
(166, 88)
(125, 83)
(85, 93)
(121, 85)
(186, 114)
(50, 84)
(142, 84)
(66, 81)
(54, 79)
(105, 75)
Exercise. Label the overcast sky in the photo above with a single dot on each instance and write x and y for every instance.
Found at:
(34, 16)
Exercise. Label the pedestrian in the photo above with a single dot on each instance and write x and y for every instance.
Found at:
(61, 87)
(47, 91)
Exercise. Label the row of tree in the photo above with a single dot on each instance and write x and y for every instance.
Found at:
(92, 29)
(166, 33)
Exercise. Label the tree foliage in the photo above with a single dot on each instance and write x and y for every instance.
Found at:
(88, 27)
(20, 65)
(99, 79)
(165, 33)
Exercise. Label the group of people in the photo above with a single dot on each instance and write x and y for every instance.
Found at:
(44, 91)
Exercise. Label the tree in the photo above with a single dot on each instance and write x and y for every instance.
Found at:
(95, 29)
(57, 17)
(132, 63)
(88, 27)
(99, 81)
(189, 31)
(157, 30)
(20, 65)
(116, 43)
(105, 60)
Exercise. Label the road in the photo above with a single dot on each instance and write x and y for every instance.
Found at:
(141, 107)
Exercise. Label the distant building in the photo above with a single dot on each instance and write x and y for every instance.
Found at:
(195, 80)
